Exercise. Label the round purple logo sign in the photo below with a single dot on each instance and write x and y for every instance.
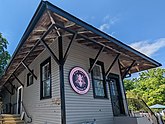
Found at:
(79, 80)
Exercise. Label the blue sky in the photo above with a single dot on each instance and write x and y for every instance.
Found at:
(139, 23)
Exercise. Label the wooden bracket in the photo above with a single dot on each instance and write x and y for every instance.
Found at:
(128, 69)
(31, 72)
(96, 58)
(18, 80)
(7, 90)
(110, 67)
(50, 52)
(12, 85)
(37, 43)
(67, 51)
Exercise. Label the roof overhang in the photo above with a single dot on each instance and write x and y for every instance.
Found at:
(59, 22)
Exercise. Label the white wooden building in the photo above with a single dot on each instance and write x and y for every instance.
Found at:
(65, 71)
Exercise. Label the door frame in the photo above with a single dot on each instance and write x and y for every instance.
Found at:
(19, 88)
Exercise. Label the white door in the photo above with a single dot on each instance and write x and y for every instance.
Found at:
(19, 99)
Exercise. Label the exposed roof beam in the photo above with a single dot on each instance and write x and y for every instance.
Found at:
(79, 22)
(37, 43)
(137, 68)
(92, 40)
(53, 22)
(40, 29)
(69, 24)
(51, 36)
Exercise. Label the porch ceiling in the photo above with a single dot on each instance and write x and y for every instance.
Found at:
(59, 22)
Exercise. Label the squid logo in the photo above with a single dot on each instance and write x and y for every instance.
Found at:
(79, 80)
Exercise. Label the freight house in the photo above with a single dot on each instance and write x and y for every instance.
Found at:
(65, 71)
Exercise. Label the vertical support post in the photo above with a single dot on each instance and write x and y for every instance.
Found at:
(61, 72)
(125, 97)
(120, 67)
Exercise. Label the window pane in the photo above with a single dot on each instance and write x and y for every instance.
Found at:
(30, 79)
(99, 88)
(45, 72)
(97, 72)
(113, 87)
(46, 88)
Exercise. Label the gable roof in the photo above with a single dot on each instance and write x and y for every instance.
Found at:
(67, 25)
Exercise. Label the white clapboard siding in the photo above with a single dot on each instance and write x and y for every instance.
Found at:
(46, 110)
(43, 111)
(81, 108)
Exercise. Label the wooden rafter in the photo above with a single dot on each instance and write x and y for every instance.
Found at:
(65, 27)
(53, 22)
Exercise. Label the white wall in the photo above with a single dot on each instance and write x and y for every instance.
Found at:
(46, 110)
(80, 108)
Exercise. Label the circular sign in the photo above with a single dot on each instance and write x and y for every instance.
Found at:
(79, 80)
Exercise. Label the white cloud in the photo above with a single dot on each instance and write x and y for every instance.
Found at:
(108, 22)
(104, 27)
(149, 47)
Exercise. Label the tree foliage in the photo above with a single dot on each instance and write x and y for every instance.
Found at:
(150, 86)
(4, 55)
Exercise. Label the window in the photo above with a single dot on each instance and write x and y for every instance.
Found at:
(29, 79)
(98, 80)
(45, 70)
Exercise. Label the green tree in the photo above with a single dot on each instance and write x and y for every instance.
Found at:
(4, 55)
(130, 84)
(150, 86)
